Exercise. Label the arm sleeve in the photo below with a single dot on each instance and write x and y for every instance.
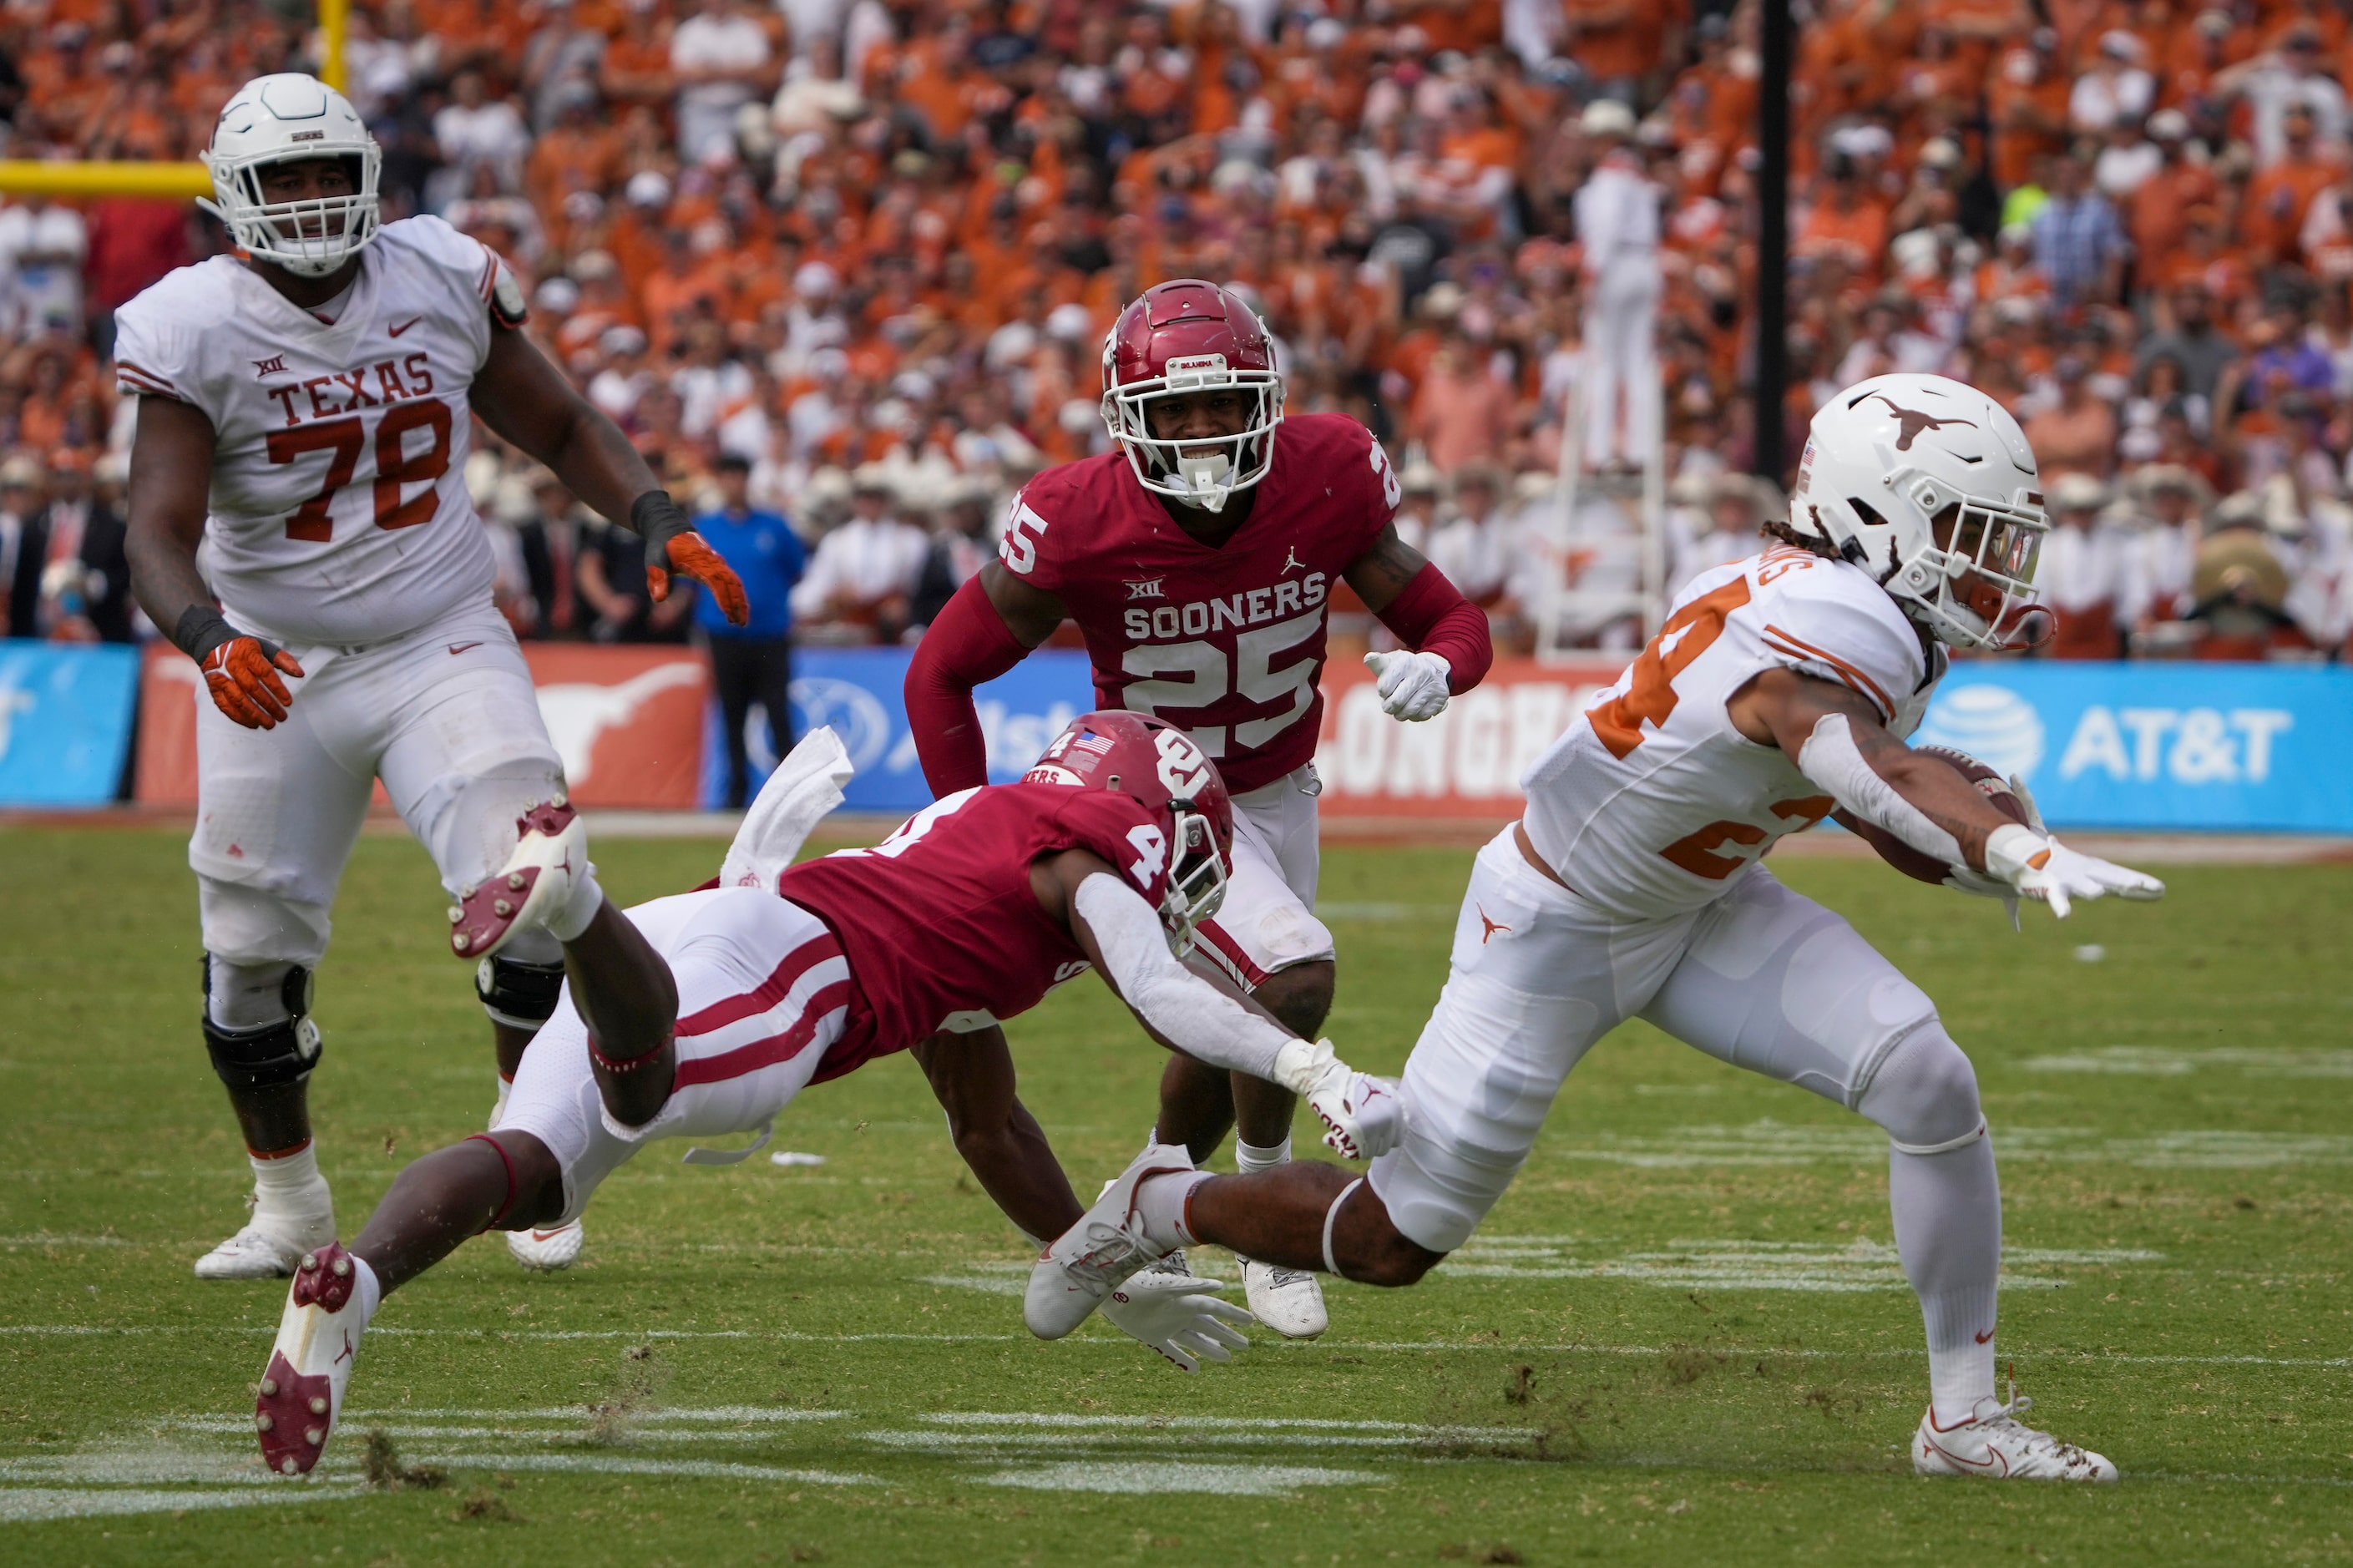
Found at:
(968, 644)
(1179, 1005)
(1431, 616)
(1830, 758)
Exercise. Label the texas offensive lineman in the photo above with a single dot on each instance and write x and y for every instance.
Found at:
(1780, 687)
(305, 411)
(1197, 560)
(705, 1014)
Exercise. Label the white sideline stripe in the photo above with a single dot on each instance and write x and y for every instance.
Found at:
(1326, 1343)
(603, 1465)
(22, 1505)
(1047, 1442)
(1152, 1479)
(1198, 1423)
(587, 1412)
(498, 1431)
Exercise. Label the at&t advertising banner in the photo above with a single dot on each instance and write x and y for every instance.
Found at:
(2231, 747)
(64, 721)
(858, 690)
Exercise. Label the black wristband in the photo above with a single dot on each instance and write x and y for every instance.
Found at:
(658, 519)
(202, 629)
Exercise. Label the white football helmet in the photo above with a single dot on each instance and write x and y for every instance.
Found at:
(277, 120)
(1929, 485)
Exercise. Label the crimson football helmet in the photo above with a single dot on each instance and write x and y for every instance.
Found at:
(1175, 339)
(1157, 764)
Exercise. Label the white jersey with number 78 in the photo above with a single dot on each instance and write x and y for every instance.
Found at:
(339, 512)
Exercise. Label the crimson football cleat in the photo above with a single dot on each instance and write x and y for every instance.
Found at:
(537, 879)
(302, 1393)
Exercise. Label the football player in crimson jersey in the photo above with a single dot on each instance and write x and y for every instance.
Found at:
(305, 410)
(1198, 560)
(1780, 688)
(705, 1014)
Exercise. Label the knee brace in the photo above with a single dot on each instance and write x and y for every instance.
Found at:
(518, 995)
(275, 1055)
(1925, 1095)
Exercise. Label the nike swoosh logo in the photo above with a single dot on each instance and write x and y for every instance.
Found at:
(457, 647)
(1984, 1337)
(395, 331)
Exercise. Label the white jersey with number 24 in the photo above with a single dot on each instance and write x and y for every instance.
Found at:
(339, 512)
(1652, 804)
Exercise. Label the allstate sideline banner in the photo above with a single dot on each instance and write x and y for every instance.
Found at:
(64, 721)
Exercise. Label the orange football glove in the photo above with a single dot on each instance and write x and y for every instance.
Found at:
(242, 674)
(690, 556)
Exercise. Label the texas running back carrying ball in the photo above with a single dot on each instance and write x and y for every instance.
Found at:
(1198, 558)
(305, 415)
(1780, 687)
(706, 1013)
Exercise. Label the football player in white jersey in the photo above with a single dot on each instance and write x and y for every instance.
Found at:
(305, 410)
(1780, 688)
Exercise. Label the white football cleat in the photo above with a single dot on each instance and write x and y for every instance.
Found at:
(1288, 1300)
(1995, 1445)
(302, 1393)
(1094, 1257)
(266, 1252)
(538, 879)
(547, 1249)
(1173, 1265)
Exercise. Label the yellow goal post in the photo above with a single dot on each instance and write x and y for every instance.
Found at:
(27, 176)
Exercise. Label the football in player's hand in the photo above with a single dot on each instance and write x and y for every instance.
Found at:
(1922, 867)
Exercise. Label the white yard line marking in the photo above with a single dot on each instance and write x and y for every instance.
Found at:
(1861, 1264)
(1770, 1143)
(2169, 1061)
(43, 1238)
(20, 1505)
(612, 1465)
(1154, 1478)
(1118, 1342)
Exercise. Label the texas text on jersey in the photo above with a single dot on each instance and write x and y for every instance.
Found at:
(939, 922)
(336, 516)
(1652, 803)
(1226, 641)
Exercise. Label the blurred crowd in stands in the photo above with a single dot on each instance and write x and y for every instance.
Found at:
(869, 249)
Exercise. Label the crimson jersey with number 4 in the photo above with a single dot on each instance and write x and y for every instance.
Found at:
(1652, 804)
(339, 512)
(1224, 641)
(940, 924)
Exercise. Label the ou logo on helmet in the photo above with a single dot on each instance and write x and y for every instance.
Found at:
(1184, 770)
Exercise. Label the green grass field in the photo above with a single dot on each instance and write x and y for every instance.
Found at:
(1683, 1338)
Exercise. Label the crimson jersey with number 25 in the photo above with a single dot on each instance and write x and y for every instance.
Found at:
(1224, 641)
(339, 512)
(939, 923)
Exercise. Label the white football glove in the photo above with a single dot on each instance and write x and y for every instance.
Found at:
(2038, 866)
(1412, 686)
(1983, 884)
(1364, 1117)
(1175, 1315)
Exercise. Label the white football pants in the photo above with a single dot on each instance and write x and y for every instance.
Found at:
(446, 716)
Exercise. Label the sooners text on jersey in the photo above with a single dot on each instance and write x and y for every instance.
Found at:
(1652, 804)
(338, 513)
(1225, 642)
(939, 923)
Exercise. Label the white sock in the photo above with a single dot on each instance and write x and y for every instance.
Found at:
(1160, 1204)
(1948, 1210)
(370, 1293)
(1250, 1158)
(506, 1087)
(290, 1186)
(565, 924)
